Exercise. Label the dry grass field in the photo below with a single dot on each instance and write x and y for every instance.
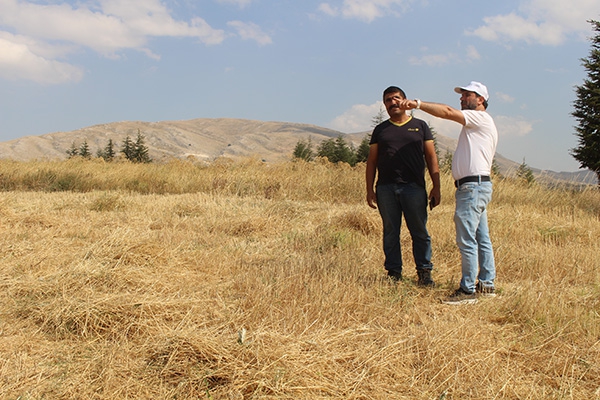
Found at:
(246, 280)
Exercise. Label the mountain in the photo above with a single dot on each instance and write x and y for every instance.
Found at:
(201, 139)
(206, 139)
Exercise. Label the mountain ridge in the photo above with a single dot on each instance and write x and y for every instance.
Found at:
(205, 139)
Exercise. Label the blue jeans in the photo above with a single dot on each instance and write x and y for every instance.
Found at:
(473, 235)
(410, 200)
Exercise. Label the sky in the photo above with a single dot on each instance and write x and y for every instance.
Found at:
(66, 65)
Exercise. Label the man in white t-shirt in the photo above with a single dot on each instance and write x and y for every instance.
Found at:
(471, 169)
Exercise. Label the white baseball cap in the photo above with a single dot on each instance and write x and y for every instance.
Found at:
(476, 87)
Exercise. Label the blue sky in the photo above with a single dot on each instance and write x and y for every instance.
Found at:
(65, 65)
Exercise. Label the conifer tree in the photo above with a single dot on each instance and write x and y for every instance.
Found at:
(327, 149)
(446, 162)
(379, 118)
(84, 150)
(73, 151)
(128, 149)
(344, 152)
(362, 152)
(435, 141)
(140, 151)
(108, 153)
(495, 168)
(337, 150)
(525, 174)
(304, 150)
(587, 109)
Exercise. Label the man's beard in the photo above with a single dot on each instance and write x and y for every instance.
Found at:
(469, 106)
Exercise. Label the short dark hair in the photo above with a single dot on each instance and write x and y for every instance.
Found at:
(394, 89)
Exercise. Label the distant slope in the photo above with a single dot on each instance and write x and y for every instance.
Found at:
(207, 139)
(203, 139)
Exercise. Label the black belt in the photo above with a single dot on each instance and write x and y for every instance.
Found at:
(476, 178)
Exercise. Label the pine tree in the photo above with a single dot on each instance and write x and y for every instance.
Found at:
(84, 150)
(379, 118)
(304, 150)
(337, 150)
(127, 148)
(446, 162)
(525, 174)
(108, 153)
(73, 151)
(435, 141)
(362, 153)
(140, 151)
(587, 109)
(344, 152)
(327, 150)
(496, 168)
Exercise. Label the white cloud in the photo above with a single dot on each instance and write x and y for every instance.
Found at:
(42, 33)
(39, 47)
(327, 9)
(513, 126)
(433, 60)
(359, 118)
(441, 126)
(472, 53)
(505, 98)
(540, 22)
(240, 3)
(119, 25)
(507, 126)
(17, 61)
(365, 10)
(251, 31)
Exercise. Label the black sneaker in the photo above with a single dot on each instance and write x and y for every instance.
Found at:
(485, 291)
(460, 297)
(425, 278)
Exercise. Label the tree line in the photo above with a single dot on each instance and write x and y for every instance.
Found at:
(134, 151)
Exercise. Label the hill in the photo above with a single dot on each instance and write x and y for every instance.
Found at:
(206, 139)
(201, 139)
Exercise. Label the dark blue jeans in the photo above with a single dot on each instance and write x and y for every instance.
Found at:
(410, 200)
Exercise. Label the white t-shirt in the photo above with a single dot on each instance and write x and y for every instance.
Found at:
(476, 145)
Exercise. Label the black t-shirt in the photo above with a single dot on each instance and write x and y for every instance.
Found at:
(400, 148)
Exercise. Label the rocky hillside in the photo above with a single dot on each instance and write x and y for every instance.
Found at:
(207, 139)
(202, 139)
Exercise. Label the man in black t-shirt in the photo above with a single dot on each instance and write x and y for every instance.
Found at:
(399, 150)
